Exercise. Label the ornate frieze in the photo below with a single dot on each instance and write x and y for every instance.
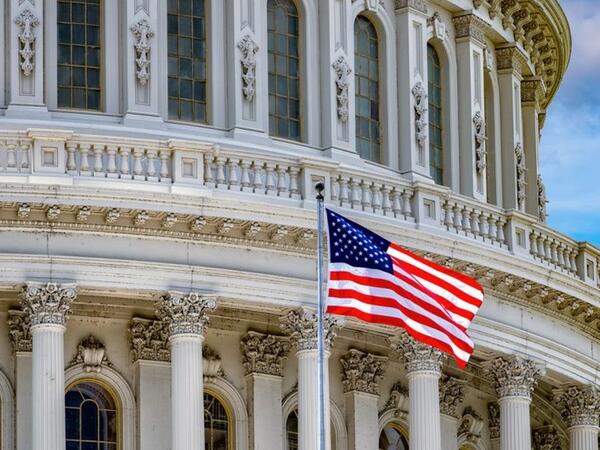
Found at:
(362, 371)
(437, 25)
(513, 376)
(48, 304)
(398, 401)
(418, 5)
(509, 58)
(494, 420)
(578, 405)
(546, 438)
(92, 354)
(301, 325)
(480, 137)
(149, 340)
(420, 105)
(471, 425)
(19, 330)
(416, 355)
(264, 353)
(520, 172)
(186, 314)
(143, 33)
(248, 48)
(470, 26)
(27, 21)
(342, 82)
(452, 393)
(542, 199)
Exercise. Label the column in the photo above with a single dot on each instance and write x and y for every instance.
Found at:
(509, 60)
(361, 374)
(580, 406)
(423, 367)
(263, 356)
(48, 306)
(470, 44)
(452, 393)
(411, 26)
(301, 326)
(514, 379)
(187, 319)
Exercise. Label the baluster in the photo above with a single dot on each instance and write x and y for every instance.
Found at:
(500, 230)
(234, 181)
(561, 256)
(492, 233)
(151, 164)
(335, 188)
(165, 155)
(547, 255)
(365, 198)
(457, 218)
(111, 162)
(245, 176)
(25, 146)
(281, 181)
(71, 161)
(220, 163)
(355, 193)
(138, 168)
(540, 245)
(396, 202)
(572, 259)
(125, 153)
(475, 223)
(567, 258)
(406, 206)
(84, 163)
(466, 222)
(270, 182)
(553, 252)
(447, 214)
(344, 194)
(209, 180)
(11, 158)
(483, 225)
(294, 188)
(257, 180)
(386, 204)
(98, 166)
(532, 244)
(376, 198)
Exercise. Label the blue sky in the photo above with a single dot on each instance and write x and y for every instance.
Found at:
(570, 146)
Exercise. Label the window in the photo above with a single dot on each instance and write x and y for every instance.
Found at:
(186, 41)
(392, 438)
(91, 418)
(292, 432)
(436, 149)
(366, 85)
(216, 424)
(284, 69)
(79, 54)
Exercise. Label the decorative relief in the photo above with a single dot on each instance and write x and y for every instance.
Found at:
(399, 401)
(438, 27)
(149, 340)
(48, 304)
(342, 82)
(211, 364)
(521, 170)
(264, 353)
(494, 420)
(471, 425)
(452, 393)
(362, 371)
(248, 48)
(542, 199)
(509, 58)
(480, 138)
(185, 314)
(416, 355)
(143, 33)
(301, 325)
(19, 331)
(92, 354)
(53, 212)
(28, 22)
(83, 214)
(24, 210)
(141, 218)
(578, 405)
(470, 26)
(514, 376)
(488, 59)
(418, 5)
(546, 438)
(420, 104)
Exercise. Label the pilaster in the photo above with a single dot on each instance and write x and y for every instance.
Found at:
(580, 407)
(532, 90)
(452, 394)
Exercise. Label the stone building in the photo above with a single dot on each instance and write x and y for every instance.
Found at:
(157, 223)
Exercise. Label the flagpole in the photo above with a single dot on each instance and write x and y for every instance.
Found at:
(320, 187)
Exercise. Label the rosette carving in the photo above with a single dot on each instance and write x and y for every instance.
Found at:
(301, 325)
(578, 405)
(264, 353)
(416, 355)
(362, 371)
(48, 304)
(185, 314)
(513, 377)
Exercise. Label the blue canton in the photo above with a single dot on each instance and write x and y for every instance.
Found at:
(353, 244)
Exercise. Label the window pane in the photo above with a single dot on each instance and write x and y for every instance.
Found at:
(284, 62)
(366, 85)
(216, 424)
(391, 438)
(436, 149)
(186, 35)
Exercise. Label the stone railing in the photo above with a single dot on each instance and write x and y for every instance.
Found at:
(194, 168)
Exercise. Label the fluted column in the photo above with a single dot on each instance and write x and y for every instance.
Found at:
(263, 356)
(187, 318)
(580, 406)
(301, 325)
(452, 393)
(514, 380)
(361, 374)
(423, 367)
(48, 306)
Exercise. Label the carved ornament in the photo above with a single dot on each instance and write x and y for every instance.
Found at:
(578, 405)
(92, 354)
(143, 33)
(27, 21)
(362, 371)
(19, 330)
(264, 353)
(416, 355)
(48, 304)
(342, 81)
(248, 49)
(452, 393)
(514, 376)
(185, 313)
(301, 325)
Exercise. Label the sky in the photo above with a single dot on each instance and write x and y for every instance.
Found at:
(570, 145)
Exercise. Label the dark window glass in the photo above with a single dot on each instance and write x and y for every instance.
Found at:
(79, 47)
(186, 43)
(391, 438)
(284, 74)
(292, 432)
(366, 85)
(216, 424)
(436, 148)
(91, 418)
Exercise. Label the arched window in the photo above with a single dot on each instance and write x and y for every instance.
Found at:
(436, 149)
(216, 425)
(284, 69)
(187, 63)
(292, 432)
(392, 438)
(366, 85)
(91, 418)
(79, 54)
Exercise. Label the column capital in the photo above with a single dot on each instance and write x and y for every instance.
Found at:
(48, 304)
(452, 394)
(532, 90)
(510, 58)
(186, 313)
(19, 330)
(414, 5)
(513, 376)
(301, 325)
(362, 371)
(470, 26)
(579, 405)
(149, 340)
(417, 356)
(264, 353)
(546, 438)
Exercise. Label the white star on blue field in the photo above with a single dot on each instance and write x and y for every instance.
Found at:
(570, 146)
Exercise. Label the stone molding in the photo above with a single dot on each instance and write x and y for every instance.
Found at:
(513, 376)
(92, 354)
(415, 5)
(470, 26)
(185, 313)
(579, 405)
(470, 427)
(437, 25)
(362, 371)
(452, 394)
(264, 353)
(510, 58)
(417, 356)
(494, 420)
(301, 325)
(149, 340)
(546, 438)
(19, 330)
(48, 304)
(248, 49)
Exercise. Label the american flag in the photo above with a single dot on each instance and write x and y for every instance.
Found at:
(377, 281)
